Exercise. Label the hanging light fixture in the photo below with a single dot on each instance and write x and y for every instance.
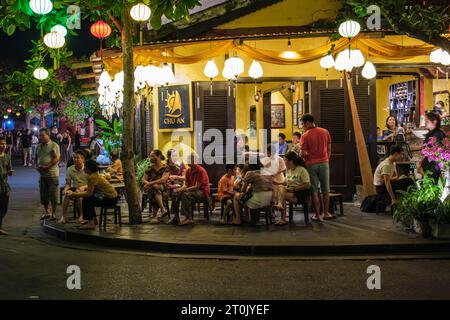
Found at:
(369, 72)
(167, 74)
(105, 79)
(18, 114)
(343, 63)
(256, 72)
(357, 59)
(445, 58)
(101, 30)
(59, 29)
(436, 55)
(140, 13)
(327, 62)
(349, 29)
(151, 75)
(9, 110)
(228, 74)
(41, 7)
(40, 74)
(54, 40)
(211, 71)
(235, 65)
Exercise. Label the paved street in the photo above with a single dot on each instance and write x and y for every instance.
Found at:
(33, 268)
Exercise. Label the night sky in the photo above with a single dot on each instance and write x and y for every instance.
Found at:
(15, 49)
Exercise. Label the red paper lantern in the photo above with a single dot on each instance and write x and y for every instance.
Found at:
(101, 30)
(9, 110)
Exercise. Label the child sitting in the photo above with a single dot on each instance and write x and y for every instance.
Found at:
(227, 190)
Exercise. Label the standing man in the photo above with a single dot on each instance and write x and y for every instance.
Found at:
(316, 150)
(47, 158)
(26, 147)
(5, 171)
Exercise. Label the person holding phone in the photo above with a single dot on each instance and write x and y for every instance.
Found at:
(5, 171)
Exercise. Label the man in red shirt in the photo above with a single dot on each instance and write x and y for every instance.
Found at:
(195, 189)
(316, 150)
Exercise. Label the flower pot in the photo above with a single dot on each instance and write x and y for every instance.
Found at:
(422, 227)
(440, 231)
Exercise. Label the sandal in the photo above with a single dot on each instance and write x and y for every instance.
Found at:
(154, 221)
(314, 218)
(186, 222)
(330, 217)
(174, 221)
(280, 223)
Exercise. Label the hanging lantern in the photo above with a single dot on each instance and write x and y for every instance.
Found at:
(139, 78)
(41, 7)
(40, 74)
(9, 110)
(228, 74)
(54, 40)
(327, 62)
(151, 75)
(101, 30)
(349, 29)
(167, 75)
(256, 70)
(59, 29)
(343, 63)
(357, 58)
(17, 114)
(140, 12)
(5, 117)
(118, 81)
(211, 72)
(369, 72)
(436, 55)
(105, 79)
(445, 58)
(235, 65)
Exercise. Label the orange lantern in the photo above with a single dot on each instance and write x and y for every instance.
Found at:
(101, 30)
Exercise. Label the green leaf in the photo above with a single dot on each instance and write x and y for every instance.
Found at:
(103, 124)
(11, 29)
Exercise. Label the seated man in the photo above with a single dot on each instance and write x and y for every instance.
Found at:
(282, 144)
(195, 189)
(76, 180)
(386, 180)
(227, 185)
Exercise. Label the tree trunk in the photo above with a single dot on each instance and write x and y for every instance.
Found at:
(43, 124)
(363, 155)
(27, 116)
(129, 110)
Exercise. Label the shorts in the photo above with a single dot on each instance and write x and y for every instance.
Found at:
(320, 177)
(48, 189)
(259, 200)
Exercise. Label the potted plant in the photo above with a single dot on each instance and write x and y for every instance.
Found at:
(440, 224)
(418, 205)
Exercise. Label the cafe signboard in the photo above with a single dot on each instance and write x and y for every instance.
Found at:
(174, 110)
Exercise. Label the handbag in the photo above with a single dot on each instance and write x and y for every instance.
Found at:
(247, 195)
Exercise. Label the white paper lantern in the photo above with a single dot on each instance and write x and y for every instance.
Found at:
(369, 71)
(227, 73)
(54, 40)
(343, 61)
(166, 74)
(59, 29)
(117, 84)
(357, 58)
(235, 65)
(211, 70)
(327, 62)
(436, 55)
(140, 12)
(41, 7)
(349, 29)
(139, 76)
(40, 74)
(256, 70)
(105, 79)
(151, 74)
(445, 58)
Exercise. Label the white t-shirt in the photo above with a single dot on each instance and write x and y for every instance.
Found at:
(386, 167)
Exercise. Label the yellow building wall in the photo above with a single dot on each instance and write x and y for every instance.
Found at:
(442, 85)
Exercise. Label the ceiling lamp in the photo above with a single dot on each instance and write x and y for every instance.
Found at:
(235, 66)
(167, 75)
(59, 29)
(41, 7)
(18, 114)
(327, 62)
(9, 110)
(5, 116)
(211, 72)
(140, 12)
(349, 29)
(54, 40)
(369, 72)
(256, 70)
(40, 74)
(151, 75)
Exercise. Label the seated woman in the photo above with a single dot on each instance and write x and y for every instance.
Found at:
(154, 184)
(177, 171)
(115, 170)
(99, 192)
(256, 192)
(297, 184)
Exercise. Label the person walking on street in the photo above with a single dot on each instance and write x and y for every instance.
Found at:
(5, 171)
(47, 159)
(26, 147)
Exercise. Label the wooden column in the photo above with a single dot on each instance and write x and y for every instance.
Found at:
(363, 155)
